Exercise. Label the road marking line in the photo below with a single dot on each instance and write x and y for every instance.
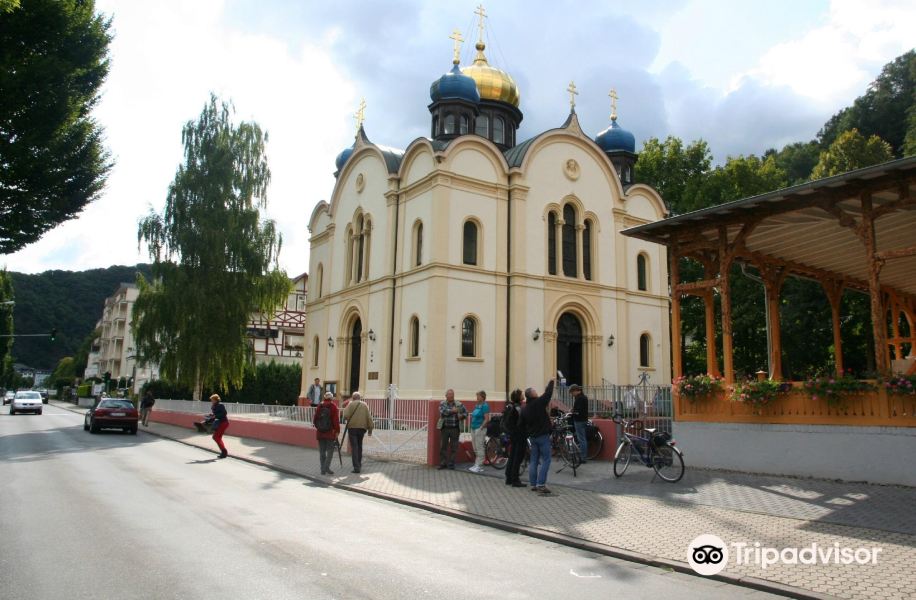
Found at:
(573, 573)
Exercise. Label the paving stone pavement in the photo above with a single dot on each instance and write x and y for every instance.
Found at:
(655, 518)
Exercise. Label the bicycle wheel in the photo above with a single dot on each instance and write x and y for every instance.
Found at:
(668, 463)
(595, 445)
(622, 458)
(573, 456)
(496, 453)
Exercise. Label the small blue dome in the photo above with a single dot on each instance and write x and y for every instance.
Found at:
(455, 85)
(616, 138)
(343, 157)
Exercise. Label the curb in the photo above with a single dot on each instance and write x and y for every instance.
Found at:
(754, 583)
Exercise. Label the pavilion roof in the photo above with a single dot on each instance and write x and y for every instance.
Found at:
(812, 228)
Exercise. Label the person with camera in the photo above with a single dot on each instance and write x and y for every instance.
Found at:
(537, 425)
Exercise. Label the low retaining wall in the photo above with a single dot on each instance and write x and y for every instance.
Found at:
(269, 432)
(872, 454)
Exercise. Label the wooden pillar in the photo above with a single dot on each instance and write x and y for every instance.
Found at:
(674, 270)
(773, 278)
(878, 318)
(728, 360)
(712, 360)
(834, 291)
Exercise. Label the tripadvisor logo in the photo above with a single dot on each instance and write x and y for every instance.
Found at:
(708, 555)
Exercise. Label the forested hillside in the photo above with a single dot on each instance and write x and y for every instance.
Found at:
(70, 301)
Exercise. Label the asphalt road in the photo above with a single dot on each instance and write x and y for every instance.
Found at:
(121, 516)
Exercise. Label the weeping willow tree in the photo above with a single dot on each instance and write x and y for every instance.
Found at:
(214, 258)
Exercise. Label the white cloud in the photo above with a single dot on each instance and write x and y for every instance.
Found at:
(832, 64)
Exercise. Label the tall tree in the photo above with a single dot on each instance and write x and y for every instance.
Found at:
(6, 325)
(53, 60)
(214, 259)
(796, 160)
(851, 151)
(675, 171)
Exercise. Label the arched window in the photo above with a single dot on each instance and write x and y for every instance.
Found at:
(645, 359)
(413, 347)
(499, 133)
(469, 252)
(569, 241)
(469, 337)
(463, 128)
(641, 280)
(418, 244)
(552, 243)
(319, 280)
(360, 248)
(315, 351)
(587, 249)
(482, 126)
(449, 124)
(348, 260)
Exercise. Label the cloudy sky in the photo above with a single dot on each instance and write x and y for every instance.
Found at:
(745, 76)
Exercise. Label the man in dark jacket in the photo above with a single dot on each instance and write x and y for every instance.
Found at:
(511, 425)
(537, 426)
(580, 419)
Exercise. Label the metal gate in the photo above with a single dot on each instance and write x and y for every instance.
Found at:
(401, 428)
(645, 402)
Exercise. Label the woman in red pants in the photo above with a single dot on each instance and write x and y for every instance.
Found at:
(220, 423)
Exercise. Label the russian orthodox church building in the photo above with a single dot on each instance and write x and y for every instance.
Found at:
(471, 261)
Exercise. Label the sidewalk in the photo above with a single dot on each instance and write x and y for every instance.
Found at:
(650, 522)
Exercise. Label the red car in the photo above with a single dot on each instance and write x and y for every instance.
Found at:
(112, 413)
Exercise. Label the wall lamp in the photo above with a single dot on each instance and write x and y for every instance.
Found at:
(371, 335)
(331, 342)
(536, 334)
(610, 340)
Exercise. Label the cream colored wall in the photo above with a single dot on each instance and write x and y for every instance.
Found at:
(470, 182)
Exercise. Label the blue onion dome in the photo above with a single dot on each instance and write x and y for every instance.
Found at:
(616, 138)
(344, 156)
(454, 85)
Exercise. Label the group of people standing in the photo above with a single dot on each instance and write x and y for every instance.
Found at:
(525, 424)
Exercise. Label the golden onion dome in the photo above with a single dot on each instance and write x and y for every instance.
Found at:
(492, 83)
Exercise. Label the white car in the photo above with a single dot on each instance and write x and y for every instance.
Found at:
(26, 402)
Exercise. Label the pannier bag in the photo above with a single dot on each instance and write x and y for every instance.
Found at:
(494, 426)
(661, 438)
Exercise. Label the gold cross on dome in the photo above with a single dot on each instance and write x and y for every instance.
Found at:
(360, 114)
(456, 35)
(482, 14)
(613, 96)
(572, 94)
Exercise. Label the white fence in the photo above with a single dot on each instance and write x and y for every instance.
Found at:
(271, 413)
(650, 404)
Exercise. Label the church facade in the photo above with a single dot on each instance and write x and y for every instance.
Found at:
(470, 261)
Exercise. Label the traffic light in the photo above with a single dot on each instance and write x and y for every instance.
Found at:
(53, 334)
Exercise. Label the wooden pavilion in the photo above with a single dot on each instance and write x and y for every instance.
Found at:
(856, 230)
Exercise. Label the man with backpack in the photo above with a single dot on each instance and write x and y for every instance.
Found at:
(517, 441)
(327, 428)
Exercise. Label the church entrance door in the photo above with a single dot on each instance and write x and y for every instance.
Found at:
(356, 335)
(569, 348)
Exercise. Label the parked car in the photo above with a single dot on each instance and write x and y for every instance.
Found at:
(44, 396)
(26, 401)
(112, 413)
(8, 397)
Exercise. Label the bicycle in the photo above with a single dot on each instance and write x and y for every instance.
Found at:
(497, 451)
(563, 442)
(657, 451)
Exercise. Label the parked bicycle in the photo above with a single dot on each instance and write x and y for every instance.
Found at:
(655, 450)
(563, 441)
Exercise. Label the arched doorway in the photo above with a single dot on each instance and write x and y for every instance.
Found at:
(569, 348)
(356, 334)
